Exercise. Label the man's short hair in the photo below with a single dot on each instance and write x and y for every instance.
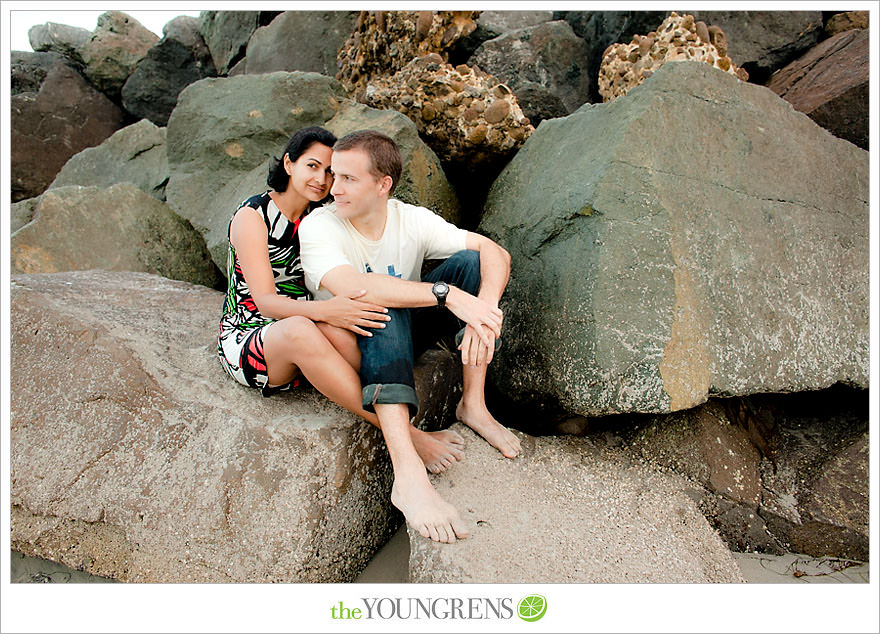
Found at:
(385, 159)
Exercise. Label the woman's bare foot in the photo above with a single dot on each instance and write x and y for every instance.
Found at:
(424, 509)
(438, 449)
(478, 418)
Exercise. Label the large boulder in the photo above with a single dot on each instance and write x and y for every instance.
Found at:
(569, 510)
(227, 33)
(223, 128)
(840, 22)
(651, 270)
(224, 132)
(134, 456)
(113, 51)
(599, 29)
(60, 38)
(300, 40)
(28, 70)
(830, 85)
(119, 229)
(48, 127)
(762, 42)
(180, 58)
(135, 154)
(546, 66)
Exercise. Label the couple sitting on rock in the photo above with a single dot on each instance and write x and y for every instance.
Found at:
(358, 259)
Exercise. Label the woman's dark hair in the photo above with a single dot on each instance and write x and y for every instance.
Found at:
(298, 143)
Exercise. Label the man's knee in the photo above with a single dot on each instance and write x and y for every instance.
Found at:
(465, 268)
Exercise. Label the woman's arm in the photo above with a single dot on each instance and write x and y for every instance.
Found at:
(250, 239)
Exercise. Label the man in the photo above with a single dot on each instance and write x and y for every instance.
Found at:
(368, 240)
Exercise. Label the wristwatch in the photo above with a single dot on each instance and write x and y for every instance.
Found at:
(440, 290)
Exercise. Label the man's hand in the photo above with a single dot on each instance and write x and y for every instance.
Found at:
(473, 350)
(480, 315)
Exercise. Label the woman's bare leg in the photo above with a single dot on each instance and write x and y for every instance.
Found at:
(298, 344)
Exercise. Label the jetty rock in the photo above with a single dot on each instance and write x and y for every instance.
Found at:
(696, 237)
(134, 456)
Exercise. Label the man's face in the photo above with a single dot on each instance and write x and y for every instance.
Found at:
(355, 189)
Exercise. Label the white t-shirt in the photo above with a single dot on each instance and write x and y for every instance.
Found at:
(412, 234)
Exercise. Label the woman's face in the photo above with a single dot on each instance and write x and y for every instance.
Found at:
(310, 173)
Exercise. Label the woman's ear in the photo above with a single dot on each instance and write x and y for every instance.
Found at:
(288, 164)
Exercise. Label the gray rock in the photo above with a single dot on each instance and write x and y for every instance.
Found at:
(118, 229)
(135, 154)
(539, 63)
(491, 24)
(599, 29)
(765, 41)
(29, 70)
(47, 128)
(117, 45)
(650, 272)
(224, 128)
(227, 33)
(224, 132)
(300, 40)
(22, 212)
(180, 58)
(60, 38)
(134, 456)
(830, 85)
(583, 513)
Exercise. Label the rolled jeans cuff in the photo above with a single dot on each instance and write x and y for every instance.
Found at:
(390, 394)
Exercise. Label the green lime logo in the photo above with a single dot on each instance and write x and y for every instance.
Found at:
(532, 607)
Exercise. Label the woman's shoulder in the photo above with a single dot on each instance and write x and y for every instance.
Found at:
(257, 201)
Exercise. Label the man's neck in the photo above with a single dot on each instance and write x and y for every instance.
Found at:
(371, 225)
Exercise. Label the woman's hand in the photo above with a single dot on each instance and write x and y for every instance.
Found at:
(351, 313)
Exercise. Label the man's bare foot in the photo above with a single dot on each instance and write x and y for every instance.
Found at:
(478, 418)
(424, 509)
(438, 449)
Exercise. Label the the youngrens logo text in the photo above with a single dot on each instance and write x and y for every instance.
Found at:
(440, 608)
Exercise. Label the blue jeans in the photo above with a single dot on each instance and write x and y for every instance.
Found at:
(387, 357)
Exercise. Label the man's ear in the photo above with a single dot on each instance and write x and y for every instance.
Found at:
(385, 184)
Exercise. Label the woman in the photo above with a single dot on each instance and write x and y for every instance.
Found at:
(271, 330)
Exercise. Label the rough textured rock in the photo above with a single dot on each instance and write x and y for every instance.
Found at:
(584, 513)
(830, 85)
(48, 127)
(180, 58)
(60, 38)
(224, 131)
(134, 456)
(383, 42)
(465, 115)
(764, 41)
(28, 70)
(118, 229)
(300, 40)
(542, 64)
(227, 33)
(846, 21)
(22, 212)
(135, 154)
(665, 276)
(678, 38)
(599, 29)
(113, 51)
(815, 496)
(491, 24)
(223, 128)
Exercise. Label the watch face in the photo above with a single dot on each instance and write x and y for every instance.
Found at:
(441, 289)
